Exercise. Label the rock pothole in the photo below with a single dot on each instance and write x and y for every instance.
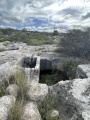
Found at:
(51, 77)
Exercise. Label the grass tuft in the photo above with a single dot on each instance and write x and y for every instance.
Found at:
(20, 80)
(16, 111)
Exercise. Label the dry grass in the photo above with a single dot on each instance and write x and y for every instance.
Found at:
(21, 81)
(16, 111)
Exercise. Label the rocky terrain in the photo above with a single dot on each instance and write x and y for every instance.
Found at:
(73, 96)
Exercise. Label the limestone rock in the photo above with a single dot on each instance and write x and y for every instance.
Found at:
(83, 71)
(5, 105)
(31, 112)
(73, 98)
(37, 92)
(12, 89)
(54, 113)
(6, 70)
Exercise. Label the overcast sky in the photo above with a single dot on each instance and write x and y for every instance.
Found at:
(45, 15)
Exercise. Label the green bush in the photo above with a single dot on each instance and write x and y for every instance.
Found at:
(69, 67)
(76, 43)
(2, 91)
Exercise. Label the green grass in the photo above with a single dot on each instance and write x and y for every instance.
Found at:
(70, 68)
(46, 106)
(39, 41)
(2, 91)
(49, 79)
(41, 48)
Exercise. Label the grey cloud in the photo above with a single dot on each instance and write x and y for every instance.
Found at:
(71, 11)
(86, 16)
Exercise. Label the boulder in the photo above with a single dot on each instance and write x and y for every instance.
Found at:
(73, 98)
(12, 89)
(6, 70)
(54, 115)
(37, 92)
(5, 105)
(31, 112)
(83, 71)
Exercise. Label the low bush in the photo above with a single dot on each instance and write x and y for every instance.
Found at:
(2, 91)
(69, 67)
(76, 43)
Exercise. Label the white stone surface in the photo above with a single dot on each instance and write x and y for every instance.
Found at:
(12, 89)
(83, 71)
(37, 92)
(31, 112)
(54, 113)
(5, 105)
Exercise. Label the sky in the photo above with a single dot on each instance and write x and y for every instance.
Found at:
(45, 15)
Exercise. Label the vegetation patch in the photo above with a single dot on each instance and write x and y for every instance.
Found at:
(2, 49)
(5, 43)
(16, 111)
(46, 107)
(41, 48)
(51, 77)
(76, 43)
(2, 91)
(20, 80)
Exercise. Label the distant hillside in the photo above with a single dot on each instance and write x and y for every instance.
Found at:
(29, 37)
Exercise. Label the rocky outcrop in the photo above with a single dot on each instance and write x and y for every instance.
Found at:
(6, 103)
(73, 98)
(6, 70)
(12, 89)
(31, 112)
(37, 92)
(83, 71)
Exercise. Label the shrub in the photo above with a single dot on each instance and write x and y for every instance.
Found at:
(76, 43)
(69, 67)
(2, 91)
